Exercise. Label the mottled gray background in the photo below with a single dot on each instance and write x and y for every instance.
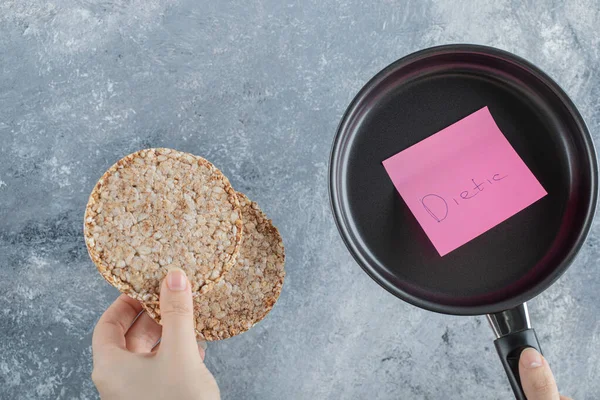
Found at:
(257, 87)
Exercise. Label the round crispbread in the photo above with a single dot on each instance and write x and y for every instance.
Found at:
(161, 208)
(250, 289)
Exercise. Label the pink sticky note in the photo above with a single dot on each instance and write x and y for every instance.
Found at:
(463, 181)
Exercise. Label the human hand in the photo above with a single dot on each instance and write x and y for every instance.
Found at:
(536, 377)
(126, 364)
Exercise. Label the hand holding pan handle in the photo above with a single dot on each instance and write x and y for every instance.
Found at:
(514, 334)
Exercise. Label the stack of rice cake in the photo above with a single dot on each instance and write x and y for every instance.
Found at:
(159, 208)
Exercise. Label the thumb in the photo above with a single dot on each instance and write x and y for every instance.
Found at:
(536, 376)
(177, 318)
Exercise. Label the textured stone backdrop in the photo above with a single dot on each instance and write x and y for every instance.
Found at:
(258, 87)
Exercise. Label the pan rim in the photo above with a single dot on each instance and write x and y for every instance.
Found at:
(354, 247)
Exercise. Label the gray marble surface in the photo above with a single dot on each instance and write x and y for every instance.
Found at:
(257, 87)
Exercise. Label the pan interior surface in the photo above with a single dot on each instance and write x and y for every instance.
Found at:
(417, 97)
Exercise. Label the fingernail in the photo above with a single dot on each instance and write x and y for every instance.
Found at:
(176, 280)
(531, 358)
(202, 344)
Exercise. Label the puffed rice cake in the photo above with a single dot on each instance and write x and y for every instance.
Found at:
(161, 208)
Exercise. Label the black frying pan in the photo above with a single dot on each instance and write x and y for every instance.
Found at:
(497, 272)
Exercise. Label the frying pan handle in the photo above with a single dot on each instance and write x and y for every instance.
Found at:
(513, 329)
(509, 349)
